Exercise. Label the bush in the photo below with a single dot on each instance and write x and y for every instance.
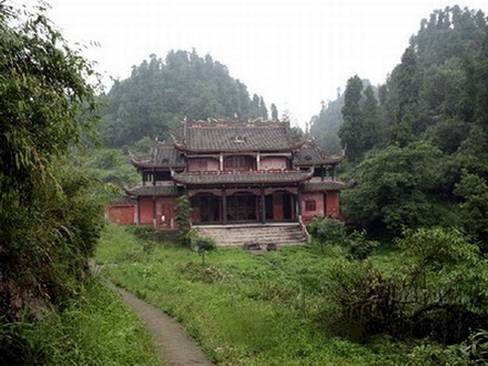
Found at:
(327, 231)
(142, 232)
(183, 211)
(202, 244)
(360, 299)
(473, 351)
(359, 247)
(50, 217)
(439, 291)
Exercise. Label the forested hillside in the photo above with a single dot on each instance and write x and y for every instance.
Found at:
(160, 93)
(419, 147)
(325, 125)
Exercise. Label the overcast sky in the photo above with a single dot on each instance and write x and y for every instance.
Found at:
(293, 52)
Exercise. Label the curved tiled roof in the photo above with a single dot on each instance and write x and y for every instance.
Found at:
(312, 154)
(150, 190)
(315, 185)
(252, 177)
(235, 136)
(163, 155)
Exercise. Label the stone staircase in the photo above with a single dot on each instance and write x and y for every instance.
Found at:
(238, 235)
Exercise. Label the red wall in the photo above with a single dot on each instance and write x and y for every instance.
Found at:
(326, 204)
(121, 214)
(318, 198)
(145, 210)
(332, 203)
(165, 206)
(201, 165)
(273, 163)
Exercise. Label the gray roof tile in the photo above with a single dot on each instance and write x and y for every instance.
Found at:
(315, 185)
(150, 190)
(253, 177)
(233, 136)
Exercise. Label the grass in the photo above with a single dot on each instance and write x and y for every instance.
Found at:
(243, 309)
(96, 329)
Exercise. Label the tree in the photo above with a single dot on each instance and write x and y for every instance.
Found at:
(183, 211)
(404, 97)
(474, 190)
(202, 245)
(49, 217)
(352, 128)
(370, 120)
(395, 187)
(263, 111)
(274, 112)
(160, 92)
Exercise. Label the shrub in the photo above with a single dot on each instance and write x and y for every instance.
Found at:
(474, 190)
(183, 210)
(439, 291)
(473, 351)
(359, 247)
(360, 299)
(142, 232)
(327, 231)
(202, 244)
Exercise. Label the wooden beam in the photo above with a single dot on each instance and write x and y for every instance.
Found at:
(263, 207)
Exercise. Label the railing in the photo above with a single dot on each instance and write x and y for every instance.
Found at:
(243, 172)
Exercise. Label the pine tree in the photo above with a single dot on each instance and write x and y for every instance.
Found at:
(351, 130)
(263, 111)
(370, 119)
(274, 112)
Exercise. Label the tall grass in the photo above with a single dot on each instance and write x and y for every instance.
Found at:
(243, 309)
(95, 329)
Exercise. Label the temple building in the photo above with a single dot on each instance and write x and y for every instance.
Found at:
(234, 173)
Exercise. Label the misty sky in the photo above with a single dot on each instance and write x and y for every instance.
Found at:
(294, 53)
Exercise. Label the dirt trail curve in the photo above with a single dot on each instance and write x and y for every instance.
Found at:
(175, 347)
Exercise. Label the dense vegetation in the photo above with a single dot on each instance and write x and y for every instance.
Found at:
(49, 221)
(93, 329)
(317, 305)
(51, 311)
(417, 151)
(159, 94)
(243, 309)
(418, 145)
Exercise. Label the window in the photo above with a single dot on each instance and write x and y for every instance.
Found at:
(310, 205)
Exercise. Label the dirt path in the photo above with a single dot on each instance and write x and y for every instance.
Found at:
(175, 347)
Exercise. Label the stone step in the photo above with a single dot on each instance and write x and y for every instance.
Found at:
(236, 235)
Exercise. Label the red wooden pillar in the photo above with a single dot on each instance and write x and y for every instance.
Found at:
(154, 198)
(299, 199)
(224, 206)
(263, 207)
(138, 210)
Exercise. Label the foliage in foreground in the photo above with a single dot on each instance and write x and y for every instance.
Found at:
(95, 329)
(332, 232)
(49, 217)
(242, 308)
(304, 306)
(438, 290)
